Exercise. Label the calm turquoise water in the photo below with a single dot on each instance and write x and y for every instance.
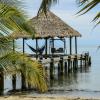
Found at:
(87, 79)
(82, 83)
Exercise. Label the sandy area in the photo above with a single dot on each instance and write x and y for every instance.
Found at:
(42, 98)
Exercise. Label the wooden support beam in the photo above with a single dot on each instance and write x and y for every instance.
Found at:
(65, 47)
(66, 68)
(53, 42)
(75, 45)
(46, 46)
(52, 45)
(70, 42)
(51, 68)
(36, 48)
(23, 45)
(69, 63)
(61, 65)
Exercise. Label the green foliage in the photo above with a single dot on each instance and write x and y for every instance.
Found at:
(46, 4)
(33, 71)
(13, 19)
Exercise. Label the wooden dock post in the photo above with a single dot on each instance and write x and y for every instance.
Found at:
(61, 65)
(85, 57)
(89, 62)
(51, 68)
(88, 59)
(69, 63)
(81, 58)
(66, 67)
(75, 62)
(59, 70)
(1, 81)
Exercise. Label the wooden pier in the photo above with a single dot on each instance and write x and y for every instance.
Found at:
(66, 63)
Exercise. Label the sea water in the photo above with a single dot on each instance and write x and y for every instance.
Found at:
(81, 83)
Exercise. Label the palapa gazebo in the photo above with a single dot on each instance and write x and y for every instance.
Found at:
(47, 27)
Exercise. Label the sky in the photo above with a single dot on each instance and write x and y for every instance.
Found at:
(66, 10)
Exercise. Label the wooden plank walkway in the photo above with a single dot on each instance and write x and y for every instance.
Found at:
(65, 58)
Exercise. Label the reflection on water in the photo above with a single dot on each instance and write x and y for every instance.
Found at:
(69, 80)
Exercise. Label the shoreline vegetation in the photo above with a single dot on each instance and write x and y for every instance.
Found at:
(24, 97)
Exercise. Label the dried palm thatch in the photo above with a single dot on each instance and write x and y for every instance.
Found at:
(48, 26)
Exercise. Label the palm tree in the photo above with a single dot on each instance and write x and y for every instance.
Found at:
(12, 62)
(46, 4)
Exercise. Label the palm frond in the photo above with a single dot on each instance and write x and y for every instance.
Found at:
(11, 2)
(46, 4)
(13, 19)
(81, 2)
(97, 17)
(32, 70)
(5, 46)
(88, 7)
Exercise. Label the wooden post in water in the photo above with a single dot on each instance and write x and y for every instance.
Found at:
(66, 67)
(85, 59)
(69, 63)
(14, 76)
(75, 45)
(59, 70)
(51, 68)
(1, 81)
(89, 61)
(81, 58)
(75, 62)
(61, 65)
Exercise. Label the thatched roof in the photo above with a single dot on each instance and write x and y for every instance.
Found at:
(48, 26)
